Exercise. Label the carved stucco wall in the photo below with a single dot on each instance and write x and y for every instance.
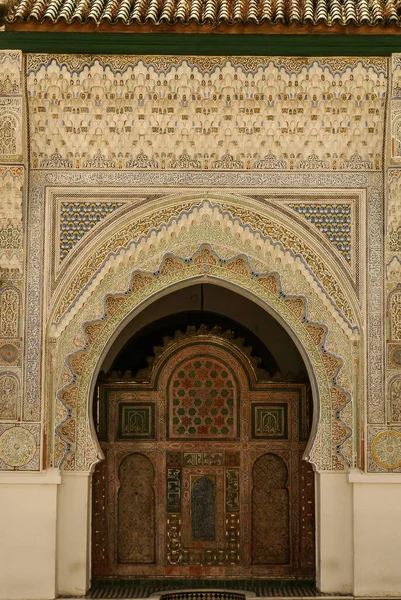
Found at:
(274, 164)
(385, 443)
(19, 425)
(206, 113)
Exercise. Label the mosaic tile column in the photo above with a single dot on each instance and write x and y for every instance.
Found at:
(385, 442)
(19, 434)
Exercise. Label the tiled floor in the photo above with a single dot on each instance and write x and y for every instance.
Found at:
(148, 588)
(298, 597)
(139, 589)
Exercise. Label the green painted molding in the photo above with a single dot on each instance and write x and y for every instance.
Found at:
(202, 44)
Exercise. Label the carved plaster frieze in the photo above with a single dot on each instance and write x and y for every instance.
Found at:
(203, 113)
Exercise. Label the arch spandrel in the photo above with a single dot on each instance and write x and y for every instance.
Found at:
(85, 342)
(249, 227)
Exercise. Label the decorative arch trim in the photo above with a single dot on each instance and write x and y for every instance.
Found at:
(214, 337)
(259, 233)
(331, 446)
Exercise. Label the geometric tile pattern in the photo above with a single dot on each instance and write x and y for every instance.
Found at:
(269, 228)
(145, 588)
(203, 401)
(333, 220)
(77, 218)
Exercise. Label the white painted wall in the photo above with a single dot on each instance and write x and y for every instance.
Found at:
(28, 511)
(73, 534)
(334, 534)
(377, 534)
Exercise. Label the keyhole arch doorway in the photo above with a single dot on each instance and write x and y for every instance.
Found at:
(205, 397)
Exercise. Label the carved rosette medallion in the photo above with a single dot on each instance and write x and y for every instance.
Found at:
(386, 449)
(17, 446)
(9, 354)
(394, 356)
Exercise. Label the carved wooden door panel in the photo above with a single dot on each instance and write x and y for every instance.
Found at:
(203, 472)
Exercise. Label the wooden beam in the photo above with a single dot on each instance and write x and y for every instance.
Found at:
(200, 44)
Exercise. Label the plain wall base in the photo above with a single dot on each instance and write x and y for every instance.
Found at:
(377, 534)
(28, 509)
(73, 526)
(334, 534)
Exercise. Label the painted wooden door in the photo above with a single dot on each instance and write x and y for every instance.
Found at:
(203, 472)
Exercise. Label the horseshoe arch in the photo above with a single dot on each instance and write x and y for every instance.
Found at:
(213, 247)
